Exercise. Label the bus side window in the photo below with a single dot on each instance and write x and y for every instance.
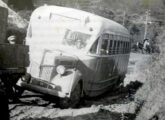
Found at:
(110, 47)
(118, 46)
(104, 44)
(114, 47)
(124, 48)
(117, 43)
(122, 45)
(129, 46)
(94, 47)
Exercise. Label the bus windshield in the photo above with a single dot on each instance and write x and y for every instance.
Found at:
(76, 39)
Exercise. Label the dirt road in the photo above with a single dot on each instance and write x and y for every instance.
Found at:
(111, 106)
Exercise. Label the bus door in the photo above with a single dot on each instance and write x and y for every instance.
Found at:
(95, 66)
(107, 68)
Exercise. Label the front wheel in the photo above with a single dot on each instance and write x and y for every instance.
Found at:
(74, 99)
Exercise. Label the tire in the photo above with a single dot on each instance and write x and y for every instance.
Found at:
(74, 99)
(119, 84)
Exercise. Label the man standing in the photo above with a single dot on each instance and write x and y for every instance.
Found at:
(146, 45)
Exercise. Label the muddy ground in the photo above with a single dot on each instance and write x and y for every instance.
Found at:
(117, 105)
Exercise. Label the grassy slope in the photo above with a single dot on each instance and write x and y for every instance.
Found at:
(152, 92)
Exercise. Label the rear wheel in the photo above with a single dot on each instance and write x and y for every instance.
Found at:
(74, 99)
(119, 84)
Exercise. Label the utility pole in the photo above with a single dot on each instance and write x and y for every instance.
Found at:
(146, 24)
(124, 18)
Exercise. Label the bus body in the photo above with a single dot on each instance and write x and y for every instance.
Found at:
(69, 46)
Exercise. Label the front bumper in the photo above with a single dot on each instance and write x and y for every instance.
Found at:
(42, 87)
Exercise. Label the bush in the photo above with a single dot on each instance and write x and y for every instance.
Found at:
(151, 95)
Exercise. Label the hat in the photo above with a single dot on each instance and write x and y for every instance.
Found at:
(11, 38)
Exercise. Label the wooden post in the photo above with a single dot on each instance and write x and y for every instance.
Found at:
(146, 25)
(124, 18)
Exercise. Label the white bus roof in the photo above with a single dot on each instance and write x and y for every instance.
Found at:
(99, 22)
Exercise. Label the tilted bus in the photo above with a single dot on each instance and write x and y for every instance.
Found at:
(74, 53)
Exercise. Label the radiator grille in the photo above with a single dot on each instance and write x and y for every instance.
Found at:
(46, 72)
(34, 69)
(42, 71)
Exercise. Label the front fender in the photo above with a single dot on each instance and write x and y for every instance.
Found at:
(76, 79)
(67, 82)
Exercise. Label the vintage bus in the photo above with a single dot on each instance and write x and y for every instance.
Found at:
(74, 53)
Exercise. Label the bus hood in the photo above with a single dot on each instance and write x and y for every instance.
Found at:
(43, 64)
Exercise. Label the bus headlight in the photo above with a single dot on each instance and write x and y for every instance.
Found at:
(60, 69)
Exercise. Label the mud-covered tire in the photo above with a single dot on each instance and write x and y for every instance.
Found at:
(74, 99)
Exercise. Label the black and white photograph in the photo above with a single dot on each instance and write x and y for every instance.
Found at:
(82, 59)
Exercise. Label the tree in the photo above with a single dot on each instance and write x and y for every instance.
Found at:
(21, 4)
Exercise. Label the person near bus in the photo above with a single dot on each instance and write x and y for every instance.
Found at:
(146, 45)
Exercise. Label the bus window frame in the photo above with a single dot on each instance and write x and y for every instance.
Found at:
(107, 47)
(110, 48)
(115, 45)
(97, 47)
